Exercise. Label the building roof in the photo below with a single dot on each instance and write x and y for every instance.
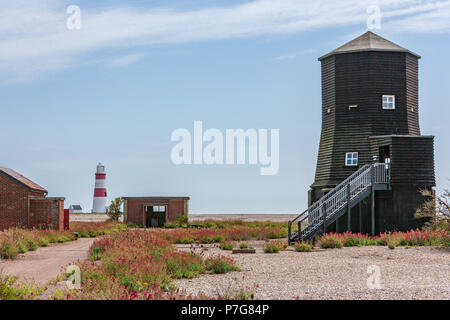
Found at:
(75, 207)
(21, 179)
(369, 41)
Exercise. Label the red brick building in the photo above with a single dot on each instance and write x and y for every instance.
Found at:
(154, 211)
(24, 203)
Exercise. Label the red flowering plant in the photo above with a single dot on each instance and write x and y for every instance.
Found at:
(331, 240)
(229, 232)
(411, 238)
(141, 264)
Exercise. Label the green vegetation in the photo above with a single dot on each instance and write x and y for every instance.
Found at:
(141, 264)
(11, 290)
(226, 246)
(436, 211)
(113, 211)
(303, 247)
(427, 237)
(16, 240)
(271, 248)
(220, 264)
(243, 245)
(275, 246)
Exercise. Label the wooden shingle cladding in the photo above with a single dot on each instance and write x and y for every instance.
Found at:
(362, 78)
(412, 94)
(324, 159)
(395, 209)
(412, 159)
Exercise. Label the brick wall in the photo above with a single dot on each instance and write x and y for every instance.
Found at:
(135, 212)
(175, 210)
(14, 203)
(47, 213)
(17, 202)
(135, 208)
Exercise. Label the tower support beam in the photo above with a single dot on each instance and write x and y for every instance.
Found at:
(349, 210)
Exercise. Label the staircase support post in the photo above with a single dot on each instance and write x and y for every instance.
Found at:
(324, 214)
(349, 209)
(372, 170)
(360, 217)
(289, 232)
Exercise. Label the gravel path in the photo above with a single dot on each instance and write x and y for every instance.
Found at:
(414, 273)
(46, 263)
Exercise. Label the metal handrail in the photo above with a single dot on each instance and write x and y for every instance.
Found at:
(340, 196)
(329, 194)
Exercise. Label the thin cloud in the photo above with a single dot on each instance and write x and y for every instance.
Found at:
(123, 60)
(435, 21)
(34, 37)
(293, 55)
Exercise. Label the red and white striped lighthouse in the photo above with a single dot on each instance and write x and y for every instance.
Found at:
(100, 194)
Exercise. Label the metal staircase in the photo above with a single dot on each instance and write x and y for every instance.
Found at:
(339, 200)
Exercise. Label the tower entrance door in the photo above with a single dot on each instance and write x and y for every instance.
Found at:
(384, 154)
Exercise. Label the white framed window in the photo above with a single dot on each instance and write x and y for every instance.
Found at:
(388, 102)
(159, 209)
(351, 159)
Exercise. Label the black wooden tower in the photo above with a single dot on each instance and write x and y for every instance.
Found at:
(370, 118)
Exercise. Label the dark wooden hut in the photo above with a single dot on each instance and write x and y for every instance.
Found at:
(372, 160)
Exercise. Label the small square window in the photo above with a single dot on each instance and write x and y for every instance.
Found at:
(388, 102)
(155, 208)
(351, 159)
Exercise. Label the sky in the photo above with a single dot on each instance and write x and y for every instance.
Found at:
(115, 90)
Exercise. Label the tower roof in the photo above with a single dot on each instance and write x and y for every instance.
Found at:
(369, 41)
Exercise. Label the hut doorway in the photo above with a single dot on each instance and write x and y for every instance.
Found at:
(155, 216)
(385, 154)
